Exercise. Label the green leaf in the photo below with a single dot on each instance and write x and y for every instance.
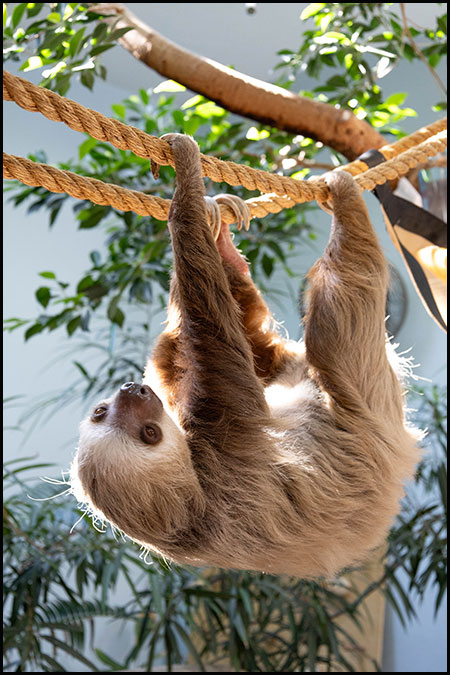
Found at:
(195, 100)
(209, 109)
(69, 10)
(178, 118)
(169, 85)
(92, 216)
(34, 330)
(70, 650)
(73, 325)
(86, 147)
(267, 264)
(396, 99)
(95, 51)
(108, 661)
(119, 110)
(55, 667)
(17, 14)
(100, 32)
(144, 96)
(277, 249)
(47, 275)
(96, 258)
(82, 369)
(76, 42)
(43, 295)
(31, 64)
(246, 600)
(189, 644)
(442, 23)
(331, 37)
(253, 134)
(85, 283)
(87, 78)
(114, 313)
(191, 125)
(54, 17)
(434, 59)
(238, 625)
(311, 10)
(116, 34)
(5, 14)
(16, 323)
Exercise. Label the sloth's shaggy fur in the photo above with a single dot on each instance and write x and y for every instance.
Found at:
(274, 455)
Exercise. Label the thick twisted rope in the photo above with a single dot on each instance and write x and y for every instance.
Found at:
(77, 117)
(401, 165)
(108, 194)
(81, 187)
(36, 99)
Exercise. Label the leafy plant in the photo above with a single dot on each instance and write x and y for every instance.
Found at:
(418, 542)
(361, 43)
(59, 40)
(56, 584)
(59, 579)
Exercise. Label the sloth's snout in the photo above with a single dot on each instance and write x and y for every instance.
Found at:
(143, 391)
(136, 401)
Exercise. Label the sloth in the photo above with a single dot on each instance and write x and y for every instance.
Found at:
(241, 448)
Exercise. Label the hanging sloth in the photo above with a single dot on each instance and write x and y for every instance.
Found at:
(241, 449)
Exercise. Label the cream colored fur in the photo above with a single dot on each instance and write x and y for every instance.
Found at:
(275, 456)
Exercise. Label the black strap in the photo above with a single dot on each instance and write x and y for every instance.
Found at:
(404, 213)
(414, 219)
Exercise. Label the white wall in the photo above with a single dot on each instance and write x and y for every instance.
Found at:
(224, 32)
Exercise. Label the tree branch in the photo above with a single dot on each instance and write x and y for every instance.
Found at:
(240, 93)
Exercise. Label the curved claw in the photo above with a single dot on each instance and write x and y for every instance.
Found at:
(154, 166)
(239, 208)
(213, 210)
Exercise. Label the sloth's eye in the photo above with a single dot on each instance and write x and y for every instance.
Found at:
(151, 434)
(99, 413)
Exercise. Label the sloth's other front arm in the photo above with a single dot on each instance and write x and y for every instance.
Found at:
(218, 382)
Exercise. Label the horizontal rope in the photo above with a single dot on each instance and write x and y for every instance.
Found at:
(125, 137)
(401, 165)
(81, 187)
(36, 99)
(390, 151)
(108, 194)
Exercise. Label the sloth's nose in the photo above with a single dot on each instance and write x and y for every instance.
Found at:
(134, 389)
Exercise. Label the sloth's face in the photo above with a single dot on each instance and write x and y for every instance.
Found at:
(131, 460)
(135, 411)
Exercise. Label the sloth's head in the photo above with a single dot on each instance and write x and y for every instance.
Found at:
(133, 467)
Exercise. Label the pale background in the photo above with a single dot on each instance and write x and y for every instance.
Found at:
(225, 33)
